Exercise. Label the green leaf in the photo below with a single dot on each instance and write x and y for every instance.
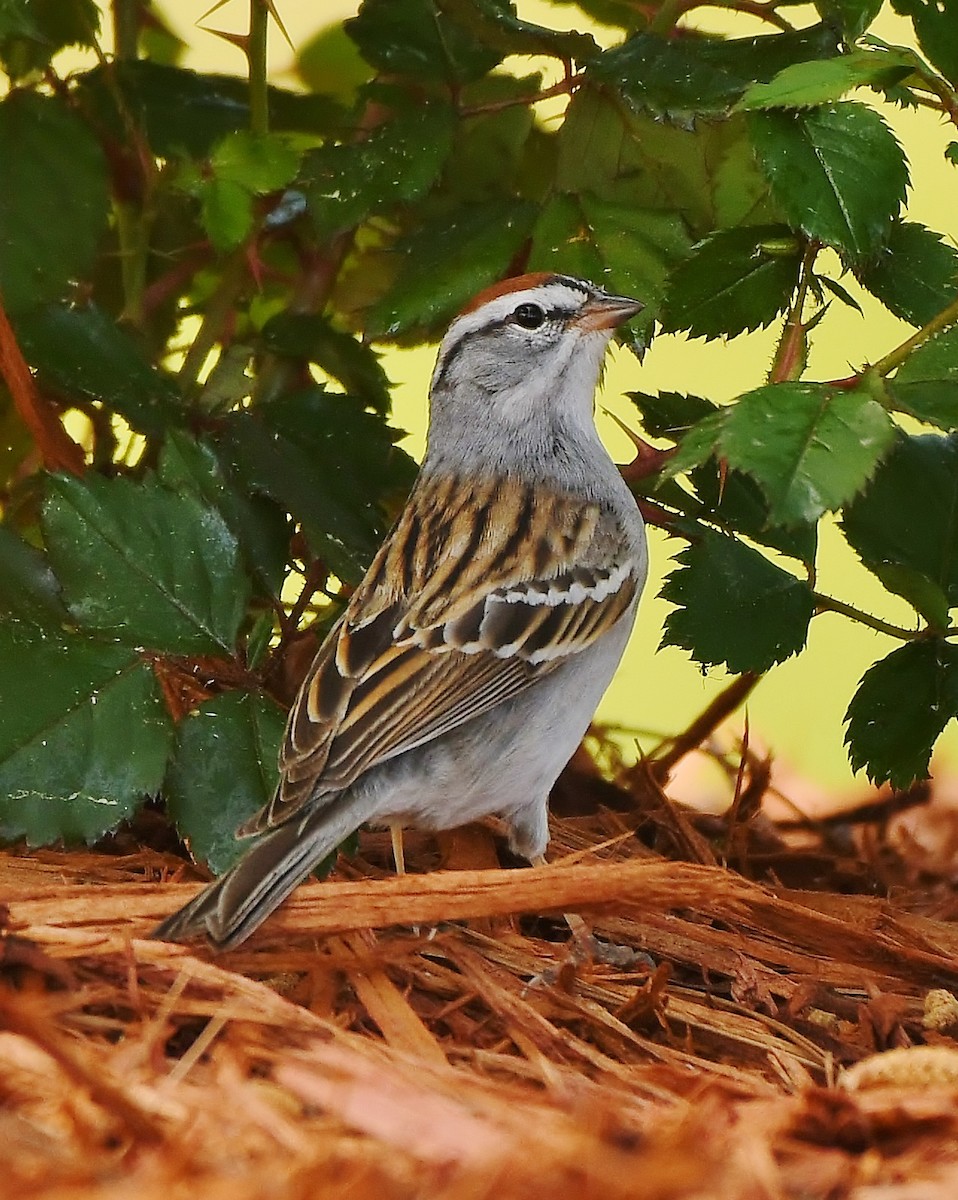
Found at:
(638, 247)
(494, 153)
(707, 174)
(916, 589)
(33, 31)
(668, 77)
(685, 77)
(838, 172)
(733, 282)
(227, 213)
(926, 384)
(84, 736)
(670, 414)
(311, 338)
(907, 518)
(806, 84)
(415, 38)
(735, 501)
(184, 112)
(330, 63)
(329, 463)
(822, 283)
(852, 17)
(28, 588)
(494, 23)
(937, 32)
(145, 566)
(81, 352)
(159, 43)
(901, 706)
(562, 240)
(224, 770)
(740, 193)
(260, 163)
(48, 155)
(736, 607)
(914, 274)
(446, 261)
(397, 163)
(16, 20)
(809, 447)
(261, 528)
(698, 444)
(628, 249)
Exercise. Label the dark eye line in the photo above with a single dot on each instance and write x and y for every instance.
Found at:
(549, 316)
(553, 316)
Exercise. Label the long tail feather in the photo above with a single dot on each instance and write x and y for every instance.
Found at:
(229, 909)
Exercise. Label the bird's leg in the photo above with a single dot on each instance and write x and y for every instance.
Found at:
(582, 936)
(399, 858)
(586, 947)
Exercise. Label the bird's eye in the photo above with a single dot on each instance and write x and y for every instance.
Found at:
(529, 316)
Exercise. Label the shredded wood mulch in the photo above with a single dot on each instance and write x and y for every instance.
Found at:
(677, 1006)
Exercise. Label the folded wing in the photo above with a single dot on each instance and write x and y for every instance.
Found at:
(471, 600)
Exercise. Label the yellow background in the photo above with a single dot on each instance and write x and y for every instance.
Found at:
(797, 710)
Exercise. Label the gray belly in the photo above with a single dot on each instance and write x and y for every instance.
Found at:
(505, 761)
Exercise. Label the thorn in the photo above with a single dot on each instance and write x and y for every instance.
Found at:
(654, 514)
(209, 12)
(274, 13)
(723, 475)
(634, 438)
(648, 460)
(239, 40)
(254, 264)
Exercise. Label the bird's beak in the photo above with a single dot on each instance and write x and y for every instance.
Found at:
(606, 312)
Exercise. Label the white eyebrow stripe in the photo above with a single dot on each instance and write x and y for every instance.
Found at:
(549, 295)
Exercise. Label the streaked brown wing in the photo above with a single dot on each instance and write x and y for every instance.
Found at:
(409, 663)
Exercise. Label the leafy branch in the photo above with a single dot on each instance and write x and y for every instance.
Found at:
(147, 618)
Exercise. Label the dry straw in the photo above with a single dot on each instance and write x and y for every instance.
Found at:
(454, 1035)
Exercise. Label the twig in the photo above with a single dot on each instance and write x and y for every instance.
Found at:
(58, 450)
(947, 316)
(724, 704)
(830, 604)
(792, 350)
(256, 58)
(564, 87)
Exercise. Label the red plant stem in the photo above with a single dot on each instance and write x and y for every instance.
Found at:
(57, 449)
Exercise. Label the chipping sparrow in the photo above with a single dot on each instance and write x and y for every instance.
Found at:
(471, 658)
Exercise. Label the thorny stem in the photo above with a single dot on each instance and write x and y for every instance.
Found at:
(668, 15)
(126, 29)
(564, 87)
(256, 59)
(236, 267)
(947, 96)
(754, 8)
(312, 294)
(830, 604)
(133, 234)
(315, 284)
(132, 202)
(790, 354)
(947, 316)
(671, 11)
(315, 574)
(58, 450)
(215, 316)
(705, 724)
